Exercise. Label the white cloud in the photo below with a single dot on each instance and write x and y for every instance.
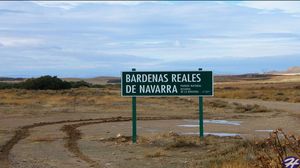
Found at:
(178, 32)
(284, 6)
(71, 4)
(177, 43)
(19, 42)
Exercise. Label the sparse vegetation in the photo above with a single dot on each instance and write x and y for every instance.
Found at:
(79, 84)
(217, 104)
(211, 151)
(156, 153)
(41, 83)
(47, 83)
(280, 91)
(218, 152)
(271, 152)
(169, 149)
(249, 108)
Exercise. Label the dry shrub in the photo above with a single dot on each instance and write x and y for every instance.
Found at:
(234, 164)
(255, 108)
(183, 141)
(297, 100)
(279, 93)
(217, 104)
(272, 151)
(237, 155)
(297, 87)
(118, 140)
(157, 153)
(170, 141)
(231, 88)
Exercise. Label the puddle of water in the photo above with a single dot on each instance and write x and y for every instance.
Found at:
(188, 126)
(221, 134)
(264, 130)
(223, 122)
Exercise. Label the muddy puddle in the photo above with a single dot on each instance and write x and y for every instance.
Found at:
(221, 134)
(195, 124)
(267, 130)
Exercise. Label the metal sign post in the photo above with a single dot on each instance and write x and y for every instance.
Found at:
(201, 127)
(133, 116)
(167, 83)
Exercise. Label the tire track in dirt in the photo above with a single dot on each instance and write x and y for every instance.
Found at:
(73, 135)
(24, 131)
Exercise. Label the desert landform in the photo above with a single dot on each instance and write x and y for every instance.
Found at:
(91, 126)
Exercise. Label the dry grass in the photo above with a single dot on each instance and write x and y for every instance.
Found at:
(237, 107)
(156, 153)
(171, 140)
(88, 100)
(108, 102)
(222, 152)
(212, 151)
(239, 163)
(249, 108)
(285, 91)
(272, 151)
(217, 104)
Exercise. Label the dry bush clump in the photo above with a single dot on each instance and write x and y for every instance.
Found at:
(217, 104)
(297, 100)
(183, 141)
(272, 151)
(249, 108)
(297, 87)
(239, 163)
(118, 139)
(238, 107)
(170, 140)
(156, 153)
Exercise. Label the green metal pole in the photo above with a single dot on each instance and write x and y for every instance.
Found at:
(133, 117)
(201, 128)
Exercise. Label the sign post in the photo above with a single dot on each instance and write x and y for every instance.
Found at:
(201, 127)
(133, 117)
(167, 83)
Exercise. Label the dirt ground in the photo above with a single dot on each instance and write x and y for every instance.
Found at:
(92, 128)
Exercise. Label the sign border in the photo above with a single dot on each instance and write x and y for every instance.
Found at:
(212, 80)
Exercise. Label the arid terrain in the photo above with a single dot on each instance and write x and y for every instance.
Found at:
(91, 127)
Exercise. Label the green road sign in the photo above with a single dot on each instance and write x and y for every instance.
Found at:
(167, 83)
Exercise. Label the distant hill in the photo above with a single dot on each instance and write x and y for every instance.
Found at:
(97, 80)
(217, 78)
(295, 70)
(9, 79)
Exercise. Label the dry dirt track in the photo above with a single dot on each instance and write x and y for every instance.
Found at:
(72, 136)
(69, 154)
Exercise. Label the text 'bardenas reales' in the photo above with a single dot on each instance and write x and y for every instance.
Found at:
(145, 82)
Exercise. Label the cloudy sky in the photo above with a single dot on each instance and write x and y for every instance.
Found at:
(87, 39)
